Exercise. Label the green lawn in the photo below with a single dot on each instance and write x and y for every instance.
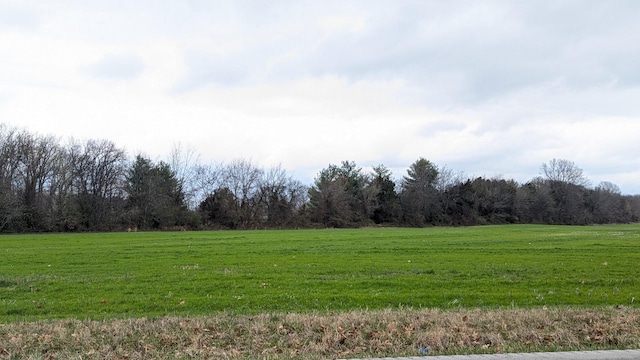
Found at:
(247, 272)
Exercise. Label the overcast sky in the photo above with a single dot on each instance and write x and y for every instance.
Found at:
(489, 88)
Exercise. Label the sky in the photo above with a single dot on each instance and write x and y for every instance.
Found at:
(487, 88)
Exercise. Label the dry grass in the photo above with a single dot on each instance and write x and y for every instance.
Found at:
(325, 336)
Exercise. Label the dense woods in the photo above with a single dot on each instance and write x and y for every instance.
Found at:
(92, 185)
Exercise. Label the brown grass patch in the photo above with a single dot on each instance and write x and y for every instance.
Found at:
(325, 336)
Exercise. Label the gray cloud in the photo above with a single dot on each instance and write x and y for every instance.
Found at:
(453, 53)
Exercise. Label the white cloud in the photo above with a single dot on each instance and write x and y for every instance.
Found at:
(117, 67)
(17, 18)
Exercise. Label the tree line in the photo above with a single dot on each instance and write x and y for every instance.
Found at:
(92, 185)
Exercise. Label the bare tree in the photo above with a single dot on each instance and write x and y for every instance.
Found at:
(98, 168)
(448, 190)
(608, 204)
(64, 207)
(564, 171)
(207, 179)
(10, 205)
(567, 184)
(243, 179)
(34, 173)
(281, 197)
(329, 202)
(184, 163)
(272, 196)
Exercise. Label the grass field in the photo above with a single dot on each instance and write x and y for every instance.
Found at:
(133, 275)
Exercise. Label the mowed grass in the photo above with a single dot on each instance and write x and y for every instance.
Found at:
(156, 274)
